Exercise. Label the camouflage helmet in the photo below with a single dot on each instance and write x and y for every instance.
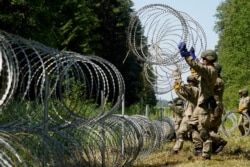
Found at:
(179, 102)
(191, 78)
(244, 91)
(218, 67)
(240, 91)
(176, 99)
(209, 55)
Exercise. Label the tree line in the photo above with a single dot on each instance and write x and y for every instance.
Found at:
(88, 27)
(233, 47)
(99, 27)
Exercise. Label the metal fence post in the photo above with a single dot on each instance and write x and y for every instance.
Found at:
(45, 119)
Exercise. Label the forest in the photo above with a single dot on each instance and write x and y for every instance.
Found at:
(99, 30)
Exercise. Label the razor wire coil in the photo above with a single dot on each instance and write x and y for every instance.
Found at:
(154, 32)
(162, 28)
(73, 134)
(230, 124)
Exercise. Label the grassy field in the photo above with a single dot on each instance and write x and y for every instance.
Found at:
(235, 154)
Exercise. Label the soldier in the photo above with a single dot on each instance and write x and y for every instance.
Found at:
(177, 109)
(206, 102)
(218, 142)
(190, 94)
(244, 107)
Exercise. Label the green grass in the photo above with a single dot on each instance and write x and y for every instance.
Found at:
(235, 154)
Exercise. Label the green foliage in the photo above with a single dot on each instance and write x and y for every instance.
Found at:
(154, 112)
(133, 110)
(78, 26)
(78, 102)
(83, 26)
(148, 92)
(74, 101)
(114, 21)
(233, 47)
(26, 111)
(31, 19)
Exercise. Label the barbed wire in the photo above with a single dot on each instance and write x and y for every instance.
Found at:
(77, 131)
(57, 109)
(29, 62)
(154, 32)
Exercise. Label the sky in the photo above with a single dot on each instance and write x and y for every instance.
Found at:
(202, 11)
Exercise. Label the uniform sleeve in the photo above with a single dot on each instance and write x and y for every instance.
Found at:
(177, 110)
(189, 93)
(202, 70)
(245, 103)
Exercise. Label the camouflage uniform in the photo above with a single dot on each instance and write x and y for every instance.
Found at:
(177, 113)
(244, 106)
(216, 116)
(206, 103)
(190, 94)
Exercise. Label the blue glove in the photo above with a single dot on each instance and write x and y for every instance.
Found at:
(192, 52)
(183, 49)
(184, 53)
(182, 46)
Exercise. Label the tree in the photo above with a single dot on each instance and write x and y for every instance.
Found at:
(31, 19)
(79, 25)
(233, 47)
(89, 27)
(114, 16)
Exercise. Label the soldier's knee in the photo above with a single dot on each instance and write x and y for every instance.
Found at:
(204, 134)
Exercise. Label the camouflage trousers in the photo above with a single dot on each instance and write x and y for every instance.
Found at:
(243, 124)
(215, 122)
(184, 130)
(201, 119)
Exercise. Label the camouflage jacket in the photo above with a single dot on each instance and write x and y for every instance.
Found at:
(208, 76)
(190, 95)
(245, 103)
(219, 90)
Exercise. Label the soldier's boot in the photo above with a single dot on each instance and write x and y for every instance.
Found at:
(178, 146)
(220, 147)
(197, 151)
(207, 150)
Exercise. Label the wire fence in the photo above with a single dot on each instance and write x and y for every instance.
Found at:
(58, 109)
(160, 28)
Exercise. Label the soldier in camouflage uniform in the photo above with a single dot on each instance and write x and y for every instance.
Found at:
(244, 107)
(216, 116)
(190, 94)
(177, 109)
(206, 104)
